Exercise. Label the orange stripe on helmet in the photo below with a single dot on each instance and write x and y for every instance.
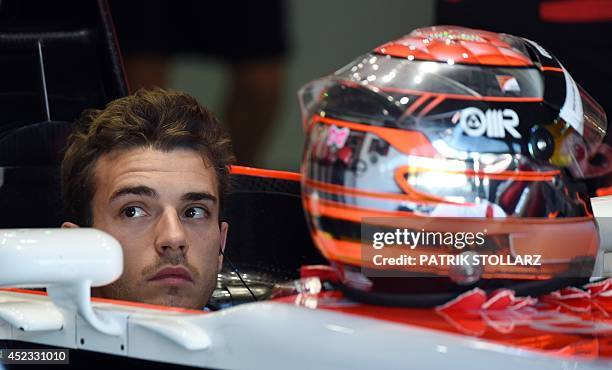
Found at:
(434, 103)
(347, 212)
(400, 180)
(406, 141)
(502, 175)
(338, 250)
(416, 104)
(414, 197)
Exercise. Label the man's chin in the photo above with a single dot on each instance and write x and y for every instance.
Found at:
(174, 299)
(168, 296)
(177, 296)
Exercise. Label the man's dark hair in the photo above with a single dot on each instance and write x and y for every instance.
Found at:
(158, 119)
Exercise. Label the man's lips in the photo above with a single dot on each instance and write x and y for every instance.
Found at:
(173, 275)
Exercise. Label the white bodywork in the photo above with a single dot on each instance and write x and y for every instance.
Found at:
(269, 335)
(67, 262)
(39, 258)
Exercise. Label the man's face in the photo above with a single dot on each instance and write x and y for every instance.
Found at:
(163, 207)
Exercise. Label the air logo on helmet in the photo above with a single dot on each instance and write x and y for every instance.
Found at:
(492, 123)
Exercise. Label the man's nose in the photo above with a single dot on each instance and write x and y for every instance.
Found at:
(170, 233)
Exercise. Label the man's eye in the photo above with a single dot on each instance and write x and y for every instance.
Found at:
(196, 212)
(133, 212)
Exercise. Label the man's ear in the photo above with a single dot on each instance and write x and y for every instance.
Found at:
(69, 225)
(224, 227)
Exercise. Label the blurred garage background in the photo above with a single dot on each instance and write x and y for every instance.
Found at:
(245, 60)
(320, 36)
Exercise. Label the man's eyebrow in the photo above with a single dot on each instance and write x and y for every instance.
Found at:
(134, 190)
(196, 196)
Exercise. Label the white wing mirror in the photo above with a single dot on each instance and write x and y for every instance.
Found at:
(67, 262)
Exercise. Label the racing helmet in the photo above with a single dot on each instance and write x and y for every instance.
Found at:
(450, 131)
